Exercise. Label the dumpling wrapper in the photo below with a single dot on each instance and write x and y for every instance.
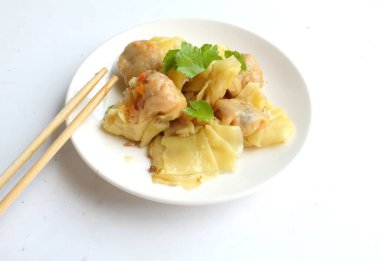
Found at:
(278, 129)
(231, 134)
(115, 123)
(223, 72)
(188, 155)
(190, 160)
(167, 43)
(178, 78)
(212, 84)
(223, 152)
(186, 161)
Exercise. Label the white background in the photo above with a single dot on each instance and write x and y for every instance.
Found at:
(323, 206)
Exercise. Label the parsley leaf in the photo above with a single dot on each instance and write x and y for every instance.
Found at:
(209, 54)
(190, 60)
(169, 59)
(200, 110)
(238, 56)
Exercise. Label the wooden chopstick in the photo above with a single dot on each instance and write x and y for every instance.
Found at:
(56, 145)
(53, 125)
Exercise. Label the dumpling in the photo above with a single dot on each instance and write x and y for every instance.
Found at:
(138, 57)
(239, 113)
(252, 74)
(151, 102)
(155, 94)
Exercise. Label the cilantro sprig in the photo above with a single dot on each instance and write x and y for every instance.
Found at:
(191, 60)
(238, 56)
(200, 110)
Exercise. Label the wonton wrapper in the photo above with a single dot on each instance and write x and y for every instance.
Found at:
(197, 83)
(212, 84)
(277, 130)
(167, 43)
(185, 161)
(190, 160)
(223, 72)
(178, 78)
(223, 152)
(115, 122)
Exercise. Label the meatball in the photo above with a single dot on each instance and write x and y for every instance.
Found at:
(252, 74)
(239, 113)
(157, 96)
(138, 57)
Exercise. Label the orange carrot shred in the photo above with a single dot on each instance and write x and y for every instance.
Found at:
(142, 78)
(140, 89)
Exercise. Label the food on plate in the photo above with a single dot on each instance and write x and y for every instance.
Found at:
(240, 113)
(151, 102)
(196, 108)
(138, 57)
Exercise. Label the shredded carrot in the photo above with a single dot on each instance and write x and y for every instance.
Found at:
(130, 112)
(142, 78)
(140, 89)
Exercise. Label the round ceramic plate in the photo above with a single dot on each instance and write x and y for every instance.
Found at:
(127, 167)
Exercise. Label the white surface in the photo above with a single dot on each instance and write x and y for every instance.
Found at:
(324, 206)
(106, 155)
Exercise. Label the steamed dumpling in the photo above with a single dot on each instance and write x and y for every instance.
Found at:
(151, 102)
(138, 57)
(239, 113)
(253, 74)
(155, 94)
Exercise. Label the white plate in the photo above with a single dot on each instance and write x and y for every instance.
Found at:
(127, 167)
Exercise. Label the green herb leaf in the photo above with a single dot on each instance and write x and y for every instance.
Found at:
(169, 60)
(238, 56)
(209, 54)
(190, 60)
(200, 110)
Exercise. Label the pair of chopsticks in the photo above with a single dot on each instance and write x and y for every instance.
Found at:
(59, 142)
